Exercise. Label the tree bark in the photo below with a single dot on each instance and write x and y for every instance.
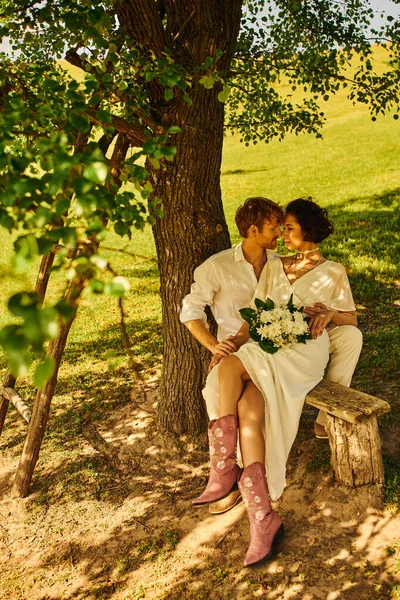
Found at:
(193, 227)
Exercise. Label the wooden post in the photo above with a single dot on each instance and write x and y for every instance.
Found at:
(9, 381)
(18, 402)
(356, 455)
(41, 408)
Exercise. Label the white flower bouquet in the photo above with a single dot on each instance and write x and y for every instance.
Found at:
(276, 326)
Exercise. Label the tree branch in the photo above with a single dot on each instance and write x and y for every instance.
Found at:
(133, 132)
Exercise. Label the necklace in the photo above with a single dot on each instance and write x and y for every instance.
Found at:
(303, 270)
(302, 254)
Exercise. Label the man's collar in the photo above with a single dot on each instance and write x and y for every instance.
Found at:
(238, 253)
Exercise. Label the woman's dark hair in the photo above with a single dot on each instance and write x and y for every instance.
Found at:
(312, 219)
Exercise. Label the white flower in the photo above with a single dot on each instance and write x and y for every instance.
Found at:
(218, 432)
(248, 482)
(222, 450)
(265, 316)
(221, 465)
(259, 515)
(212, 450)
(257, 499)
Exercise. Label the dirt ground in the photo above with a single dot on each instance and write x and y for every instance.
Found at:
(141, 538)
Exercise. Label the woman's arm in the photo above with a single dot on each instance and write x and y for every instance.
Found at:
(321, 316)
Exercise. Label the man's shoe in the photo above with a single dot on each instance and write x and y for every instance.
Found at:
(217, 508)
(320, 431)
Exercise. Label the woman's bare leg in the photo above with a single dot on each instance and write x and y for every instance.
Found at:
(232, 376)
(251, 411)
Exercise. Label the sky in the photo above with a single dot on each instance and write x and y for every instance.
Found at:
(387, 6)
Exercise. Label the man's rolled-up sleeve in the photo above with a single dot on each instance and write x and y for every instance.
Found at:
(201, 294)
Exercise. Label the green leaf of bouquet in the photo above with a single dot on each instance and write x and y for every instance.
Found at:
(269, 304)
(247, 314)
(43, 372)
(254, 335)
(268, 347)
(259, 303)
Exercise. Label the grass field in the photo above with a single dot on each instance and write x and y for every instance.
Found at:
(354, 171)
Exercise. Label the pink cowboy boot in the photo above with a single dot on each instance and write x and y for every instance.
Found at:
(222, 437)
(266, 526)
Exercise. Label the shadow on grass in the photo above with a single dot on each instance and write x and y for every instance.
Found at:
(244, 171)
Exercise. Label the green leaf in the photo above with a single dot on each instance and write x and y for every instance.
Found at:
(96, 172)
(12, 339)
(254, 335)
(208, 81)
(247, 314)
(79, 121)
(223, 95)
(268, 347)
(118, 287)
(174, 129)
(121, 228)
(154, 162)
(269, 304)
(96, 286)
(99, 261)
(65, 310)
(23, 303)
(44, 371)
(19, 362)
(168, 94)
(259, 303)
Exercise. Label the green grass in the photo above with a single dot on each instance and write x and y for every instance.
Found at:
(353, 171)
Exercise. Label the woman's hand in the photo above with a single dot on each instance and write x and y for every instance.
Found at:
(214, 361)
(321, 316)
(225, 347)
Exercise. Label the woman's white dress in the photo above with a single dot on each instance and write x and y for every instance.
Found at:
(285, 378)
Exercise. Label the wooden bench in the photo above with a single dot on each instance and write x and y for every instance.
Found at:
(352, 429)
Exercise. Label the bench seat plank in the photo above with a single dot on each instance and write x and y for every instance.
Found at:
(347, 404)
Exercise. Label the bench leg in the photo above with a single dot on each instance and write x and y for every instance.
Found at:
(356, 455)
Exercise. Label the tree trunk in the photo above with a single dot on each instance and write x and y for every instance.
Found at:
(194, 225)
(193, 228)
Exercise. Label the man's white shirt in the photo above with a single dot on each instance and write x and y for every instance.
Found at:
(226, 282)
